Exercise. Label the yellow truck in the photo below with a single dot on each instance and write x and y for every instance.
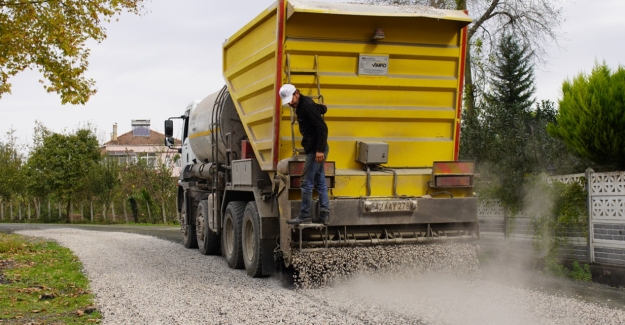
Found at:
(392, 79)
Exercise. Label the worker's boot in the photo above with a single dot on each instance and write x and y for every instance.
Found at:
(299, 220)
(323, 218)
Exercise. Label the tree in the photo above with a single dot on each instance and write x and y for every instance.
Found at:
(592, 114)
(51, 36)
(162, 185)
(11, 161)
(506, 135)
(551, 154)
(512, 75)
(63, 161)
(534, 22)
(35, 187)
(136, 178)
(104, 182)
(508, 158)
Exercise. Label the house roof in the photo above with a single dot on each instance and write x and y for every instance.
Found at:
(128, 139)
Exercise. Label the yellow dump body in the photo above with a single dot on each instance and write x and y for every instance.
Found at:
(412, 103)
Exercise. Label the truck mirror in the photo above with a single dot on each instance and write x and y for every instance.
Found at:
(169, 141)
(169, 128)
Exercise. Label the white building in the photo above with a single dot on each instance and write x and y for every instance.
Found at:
(141, 143)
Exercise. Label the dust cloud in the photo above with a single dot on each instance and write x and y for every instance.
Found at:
(431, 299)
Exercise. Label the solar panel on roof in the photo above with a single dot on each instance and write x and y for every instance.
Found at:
(141, 132)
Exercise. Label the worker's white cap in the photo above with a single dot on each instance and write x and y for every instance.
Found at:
(286, 93)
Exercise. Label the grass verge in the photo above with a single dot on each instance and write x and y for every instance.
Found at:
(42, 283)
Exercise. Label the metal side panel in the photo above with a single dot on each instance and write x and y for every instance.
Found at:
(413, 106)
(353, 213)
(242, 172)
(250, 60)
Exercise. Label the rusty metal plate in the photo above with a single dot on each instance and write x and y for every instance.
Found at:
(297, 167)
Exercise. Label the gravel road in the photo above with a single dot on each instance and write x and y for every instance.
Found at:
(139, 279)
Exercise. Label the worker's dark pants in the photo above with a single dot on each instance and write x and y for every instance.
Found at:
(314, 175)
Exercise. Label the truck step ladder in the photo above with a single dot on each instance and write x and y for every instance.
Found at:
(303, 226)
(319, 97)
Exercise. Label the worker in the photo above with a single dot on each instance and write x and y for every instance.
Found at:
(315, 142)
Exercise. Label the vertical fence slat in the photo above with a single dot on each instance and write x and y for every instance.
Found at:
(591, 236)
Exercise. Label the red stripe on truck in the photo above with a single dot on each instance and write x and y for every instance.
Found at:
(277, 116)
(453, 167)
(463, 58)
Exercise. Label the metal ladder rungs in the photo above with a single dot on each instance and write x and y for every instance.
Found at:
(304, 71)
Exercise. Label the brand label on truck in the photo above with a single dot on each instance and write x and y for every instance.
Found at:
(373, 65)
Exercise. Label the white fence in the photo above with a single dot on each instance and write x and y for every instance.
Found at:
(606, 224)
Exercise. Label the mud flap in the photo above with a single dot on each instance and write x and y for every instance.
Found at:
(269, 263)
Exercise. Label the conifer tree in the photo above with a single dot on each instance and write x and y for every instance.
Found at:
(591, 117)
(505, 139)
(512, 75)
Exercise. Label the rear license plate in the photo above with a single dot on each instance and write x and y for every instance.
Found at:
(390, 205)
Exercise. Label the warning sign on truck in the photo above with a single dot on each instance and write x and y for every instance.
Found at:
(373, 65)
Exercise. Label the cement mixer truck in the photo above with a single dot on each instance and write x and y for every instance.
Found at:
(392, 79)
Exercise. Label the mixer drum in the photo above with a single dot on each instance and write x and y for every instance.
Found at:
(217, 107)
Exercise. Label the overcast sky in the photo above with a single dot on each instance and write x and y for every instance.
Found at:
(151, 67)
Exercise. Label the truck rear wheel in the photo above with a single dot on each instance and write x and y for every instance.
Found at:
(207, 240)
(187, 226)
(231, 234)
(252, 249)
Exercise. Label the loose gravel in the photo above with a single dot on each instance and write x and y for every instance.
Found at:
(143, 280)
(316, 269)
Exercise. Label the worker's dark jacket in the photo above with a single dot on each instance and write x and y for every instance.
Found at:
(311, 125)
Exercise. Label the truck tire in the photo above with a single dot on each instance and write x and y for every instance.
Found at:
(252, 245)
(231, 234)
(207, 240)
(188, 230)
